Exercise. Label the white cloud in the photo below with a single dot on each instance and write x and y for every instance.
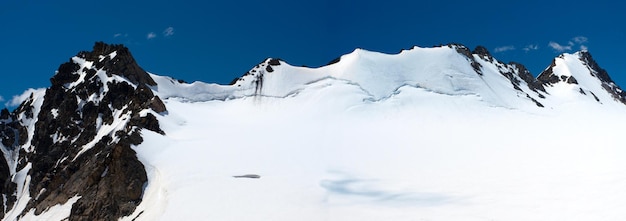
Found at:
(169, 31)
(1, 99)
(530, 47)
(560, 48)
(583, 48)
(580, 39)
(504, 48)
(151, 35)
(117, 35)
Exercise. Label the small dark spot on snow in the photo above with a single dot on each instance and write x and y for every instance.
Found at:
(251, 176)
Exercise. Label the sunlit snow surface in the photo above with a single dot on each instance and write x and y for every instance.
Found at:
(329, 153)
(342, 159)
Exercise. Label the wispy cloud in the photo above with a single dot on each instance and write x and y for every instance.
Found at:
(169, 31)
(117, 35)
(151, 35)
(583, 48)
(504, 48)
(561, 48)
(1, 99)
(580, 39)
(531, 47)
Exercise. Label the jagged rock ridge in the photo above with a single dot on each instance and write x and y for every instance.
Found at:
(90, 116)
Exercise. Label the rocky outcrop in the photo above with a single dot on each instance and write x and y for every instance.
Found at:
(68, 154)
(547, 76)
(607, 83)
(461, 49)
(527, 77)
(258, 74)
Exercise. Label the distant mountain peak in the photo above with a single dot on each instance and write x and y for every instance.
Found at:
(581, 69)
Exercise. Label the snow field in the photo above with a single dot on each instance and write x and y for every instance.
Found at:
(418, 155)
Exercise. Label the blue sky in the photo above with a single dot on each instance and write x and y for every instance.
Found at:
(218, 41)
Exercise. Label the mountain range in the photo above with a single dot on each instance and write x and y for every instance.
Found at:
(439, 133)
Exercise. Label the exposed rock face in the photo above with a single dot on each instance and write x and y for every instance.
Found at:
(607, 83)
(483, 52)
(548, 77)
(531, 81)
(461, 49)
(258, 74)
(74, 151)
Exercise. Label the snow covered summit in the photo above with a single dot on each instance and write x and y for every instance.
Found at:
(440, 133)
(450, 70)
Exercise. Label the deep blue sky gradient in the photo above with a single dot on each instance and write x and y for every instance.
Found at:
(216, 42)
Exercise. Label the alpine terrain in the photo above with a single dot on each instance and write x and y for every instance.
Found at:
(441, 133)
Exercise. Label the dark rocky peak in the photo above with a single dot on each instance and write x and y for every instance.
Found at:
(116, 59)
(71, 152)
(482, 51)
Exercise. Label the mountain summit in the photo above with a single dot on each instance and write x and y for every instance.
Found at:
(74, 138)
(108, 140)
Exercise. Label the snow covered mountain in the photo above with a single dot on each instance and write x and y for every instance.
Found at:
(440, 133)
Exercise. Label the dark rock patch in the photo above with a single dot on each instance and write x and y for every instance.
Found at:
(595, 97)
(483, 53)
(527, 77)
(274, 62)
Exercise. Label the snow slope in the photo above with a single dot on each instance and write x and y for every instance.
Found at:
(417, 156)
(385, 137)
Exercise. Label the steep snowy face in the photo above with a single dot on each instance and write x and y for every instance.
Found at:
(78, 137)
(578, 72)
(450, 70)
